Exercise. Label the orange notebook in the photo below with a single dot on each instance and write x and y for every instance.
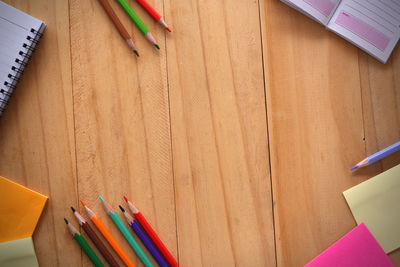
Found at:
(20, 209)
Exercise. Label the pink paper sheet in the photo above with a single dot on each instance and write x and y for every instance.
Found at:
(363, 30)
(357, 248)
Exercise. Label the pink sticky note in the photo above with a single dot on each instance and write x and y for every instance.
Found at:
(357, 248)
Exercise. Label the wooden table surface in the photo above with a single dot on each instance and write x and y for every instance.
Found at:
(235, 139)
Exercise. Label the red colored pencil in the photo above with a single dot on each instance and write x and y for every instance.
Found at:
(154, 14)
(152, 234)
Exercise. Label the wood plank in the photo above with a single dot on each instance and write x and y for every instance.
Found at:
(380, 86)
(36, 132)
(320, 92)
(122, 119)
(328, 107)
(316, 130)
(219, 135)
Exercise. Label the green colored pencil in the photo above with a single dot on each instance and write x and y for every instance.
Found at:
(84, 245)
(139, 23)
(125, 232)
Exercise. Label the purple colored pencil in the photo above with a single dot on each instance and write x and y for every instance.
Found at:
(145, 240)
(378, 156)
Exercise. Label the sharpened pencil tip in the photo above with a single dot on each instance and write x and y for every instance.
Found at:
(72, 208)
(83, 203)
(66, 221)
(122, 209)
(126, 199)
(101, 198)
(156, 45)
(136, 52)
(355, 167)
(168, 29)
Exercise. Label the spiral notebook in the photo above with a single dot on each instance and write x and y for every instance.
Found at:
(19, 35)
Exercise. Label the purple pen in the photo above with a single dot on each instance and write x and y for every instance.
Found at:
(145, 240)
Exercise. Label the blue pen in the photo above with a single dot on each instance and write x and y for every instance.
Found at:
(378, 156)
(145, 240)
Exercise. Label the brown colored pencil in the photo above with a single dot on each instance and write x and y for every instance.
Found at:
(96, 240)
(121, 29)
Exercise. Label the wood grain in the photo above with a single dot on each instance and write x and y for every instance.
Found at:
(380, 86)
(235, 139)
(37, 133)
(219, 135)
(325, 111)
(121, 113)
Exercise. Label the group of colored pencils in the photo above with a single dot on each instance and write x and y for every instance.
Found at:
(139, 225)
(135, 18)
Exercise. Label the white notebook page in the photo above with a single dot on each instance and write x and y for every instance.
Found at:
(18, 17)
(19, 34)
(320, 10)
(372, 25)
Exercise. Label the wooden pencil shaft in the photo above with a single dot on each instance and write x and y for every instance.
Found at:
(84, 245)
(156, 240)
(118, 24)
(132, 242)
(378, 156)
(150, 38)
(150, 10)
(72, 229)
(384, 153)
(88, 250)
(163, 23)
(99, 244)
(107, 235)
(89, 212)
(153, 13)
(132, 207)
(80, 219)
(144, 238)
(128, 217)
(107, 207)
(134, 17)
(113, 243)
(148, 244)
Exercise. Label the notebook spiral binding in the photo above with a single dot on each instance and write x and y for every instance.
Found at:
(7, 88)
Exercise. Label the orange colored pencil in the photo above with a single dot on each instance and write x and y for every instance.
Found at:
(107, 235)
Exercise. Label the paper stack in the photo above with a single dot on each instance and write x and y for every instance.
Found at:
(20, 209)
(375, 206)
(376, 202)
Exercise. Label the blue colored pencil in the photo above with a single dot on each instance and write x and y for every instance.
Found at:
(378, 156)
(145, 240)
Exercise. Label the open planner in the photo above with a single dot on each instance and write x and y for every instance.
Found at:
(19, 35)
(372, 25)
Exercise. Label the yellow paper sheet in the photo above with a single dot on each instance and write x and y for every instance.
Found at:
(376, 202)
(18, 253)
(20, 209)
